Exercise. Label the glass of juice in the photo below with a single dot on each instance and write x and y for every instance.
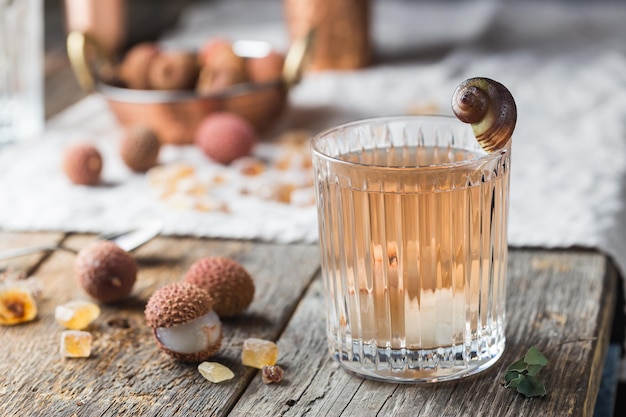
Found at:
(413, 236)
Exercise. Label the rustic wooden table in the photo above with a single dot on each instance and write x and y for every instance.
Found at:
(560, 301)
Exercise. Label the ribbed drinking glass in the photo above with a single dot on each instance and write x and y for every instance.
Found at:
(413, 237)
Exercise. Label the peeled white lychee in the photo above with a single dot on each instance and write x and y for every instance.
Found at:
(183, 322)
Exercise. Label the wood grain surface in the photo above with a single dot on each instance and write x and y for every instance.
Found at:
(562, 302)
(558, 301)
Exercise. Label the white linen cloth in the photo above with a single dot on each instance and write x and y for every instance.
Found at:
(564, 64)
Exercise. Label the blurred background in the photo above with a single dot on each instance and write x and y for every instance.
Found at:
(146, 20)
(423, 30)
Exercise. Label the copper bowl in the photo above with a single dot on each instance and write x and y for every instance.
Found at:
(175, 115)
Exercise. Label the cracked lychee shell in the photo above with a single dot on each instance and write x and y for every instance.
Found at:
(177, 305)
(105, 271)
(139, 148)
(82, 164)
(227, 282)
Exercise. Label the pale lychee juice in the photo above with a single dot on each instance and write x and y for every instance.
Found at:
(413, 236)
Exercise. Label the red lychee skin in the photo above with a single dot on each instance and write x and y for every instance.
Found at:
(177, 303)
(221, 67)
(139, 148)
(267, 68)
(215, 50)
(224, 137)
(136, 64)
(215, 79)
(82, 164)
(226, 281)
(173, 70)
(105, 271)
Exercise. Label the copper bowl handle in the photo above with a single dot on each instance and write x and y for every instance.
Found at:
(297, 58)
(89, 60)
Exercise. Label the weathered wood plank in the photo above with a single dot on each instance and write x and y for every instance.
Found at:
(553, 298)
(13, 240)
(127, 374)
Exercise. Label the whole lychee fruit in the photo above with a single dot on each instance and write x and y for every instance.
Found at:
(82, 164)
(215, 79)
(183, 322)
(226, 281)
(139, 148)
(266, 68)
(224, 137)
(174, 70)
(133, 70)
(216, 51)
(105, 271)
(221, 67)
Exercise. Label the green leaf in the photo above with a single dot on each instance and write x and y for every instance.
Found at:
(513, 379)
(521, 374)
(517, 366)
(531, 387)
(533, 370)
(535, 357)
(511, 375)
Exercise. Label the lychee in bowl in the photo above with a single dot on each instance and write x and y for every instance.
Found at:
(176, 114)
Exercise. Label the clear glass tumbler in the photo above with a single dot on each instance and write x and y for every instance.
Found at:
(413, 236)
(21, 70)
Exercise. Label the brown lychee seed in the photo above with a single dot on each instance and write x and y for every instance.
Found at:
(133, 70)
(82, 164)
(174, 70)
(228, 283)
(183, 322)
(105, 271)
(139, 148)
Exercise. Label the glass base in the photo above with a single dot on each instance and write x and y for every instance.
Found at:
(417, 366)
